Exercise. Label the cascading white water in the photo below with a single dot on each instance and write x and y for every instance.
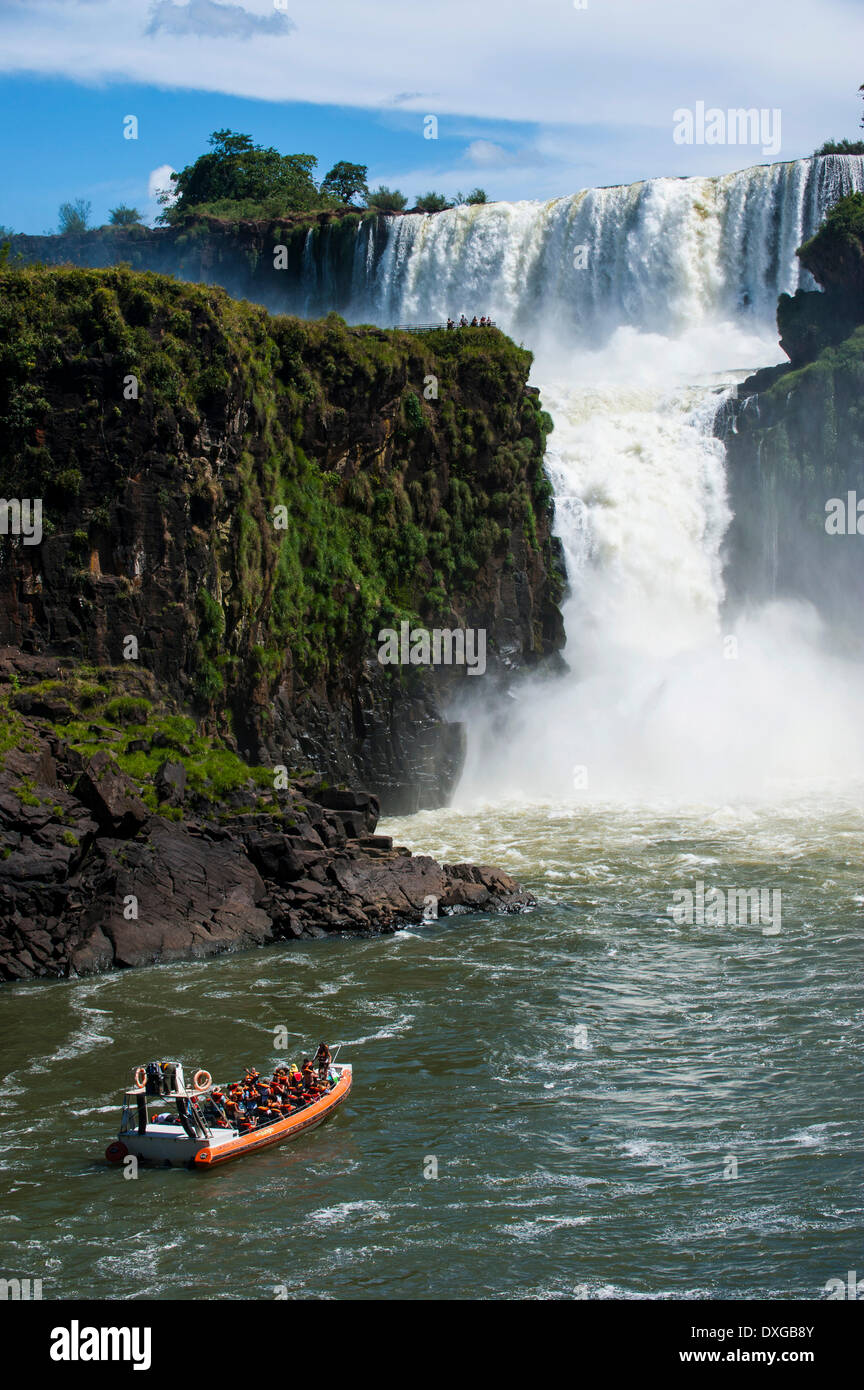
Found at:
(662, 255)
(642, 305)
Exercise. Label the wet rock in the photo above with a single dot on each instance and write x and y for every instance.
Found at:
(90, 881)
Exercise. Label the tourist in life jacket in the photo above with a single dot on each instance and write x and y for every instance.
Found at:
(215, 1105)
(322, 1061)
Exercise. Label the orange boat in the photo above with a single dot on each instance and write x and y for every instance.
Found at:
(191, 1140)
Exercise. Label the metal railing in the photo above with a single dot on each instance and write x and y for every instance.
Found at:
(432, 327)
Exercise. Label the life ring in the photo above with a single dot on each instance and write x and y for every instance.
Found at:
(201, 1080)
(140, 1076)
(116, 1152)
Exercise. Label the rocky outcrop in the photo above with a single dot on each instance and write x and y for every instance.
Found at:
(248, 500)
(302, 263)
(794, 437)
(92, 881)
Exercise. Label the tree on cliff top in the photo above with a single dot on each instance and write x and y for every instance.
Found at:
(124, 216)
(74, 217)
(235, 171)
(387, 199)
(345, 182)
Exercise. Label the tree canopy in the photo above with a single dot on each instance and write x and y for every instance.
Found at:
(387, 199)
(237, 178)
(124, 216)
(346, 182)
(236, 170)
(74, 217)
(432, 202)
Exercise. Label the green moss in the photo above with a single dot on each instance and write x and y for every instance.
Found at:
(445, 487)
(127, 709)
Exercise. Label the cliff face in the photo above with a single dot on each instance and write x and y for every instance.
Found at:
(250, 499)
(299, 264)
(127, 837)
(795, 440)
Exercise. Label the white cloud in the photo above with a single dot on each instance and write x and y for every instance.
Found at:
(611, 75)
(207, 19)
(486, 154)
(160, 181)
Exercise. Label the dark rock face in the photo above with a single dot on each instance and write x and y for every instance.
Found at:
(237, 255)
(794, 440)
(109, 796)
(167, 534)
(90, 881)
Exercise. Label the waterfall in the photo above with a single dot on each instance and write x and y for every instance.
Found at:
(643, 305)
(658, 256)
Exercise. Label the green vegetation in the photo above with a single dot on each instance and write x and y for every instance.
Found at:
(387, 199)
(238, 179)
(844, 146)
(216, 778)
(840, 237)
(74, 217)
(236, 170)
(124, 216)
(841, 147)
(345, 182)
(432, 202)
(811, 321)
(305, 541)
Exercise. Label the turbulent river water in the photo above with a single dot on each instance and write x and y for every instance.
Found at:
(587, 1077)
(596, 1097)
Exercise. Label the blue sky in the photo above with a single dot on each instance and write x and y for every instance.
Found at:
(532, 100)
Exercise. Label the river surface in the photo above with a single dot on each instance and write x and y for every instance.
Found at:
(587, 1077)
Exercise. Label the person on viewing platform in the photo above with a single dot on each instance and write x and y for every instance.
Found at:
(450, 323)
(463, 322)
(474, 323)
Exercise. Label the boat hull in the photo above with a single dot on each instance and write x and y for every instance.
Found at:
(308, 1118)
(169, 1146)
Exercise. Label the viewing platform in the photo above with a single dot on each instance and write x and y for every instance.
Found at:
(431, 327)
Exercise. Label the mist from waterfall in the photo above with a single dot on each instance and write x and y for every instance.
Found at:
(643, 306)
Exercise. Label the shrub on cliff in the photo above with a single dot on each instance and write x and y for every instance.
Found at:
(387, 199)
(432, 202)
(124, 216)
(810, 321)
(835, 255)
(74, 218)
(841, 147)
